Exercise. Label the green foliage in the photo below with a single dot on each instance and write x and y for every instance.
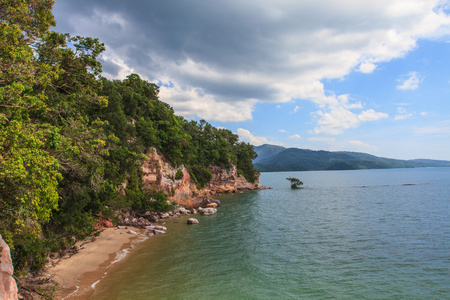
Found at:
(179, 175)
(200, 175)
(72, 143)
(154, 201)
(245, 156)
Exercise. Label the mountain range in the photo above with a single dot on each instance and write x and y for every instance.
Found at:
(272, 158)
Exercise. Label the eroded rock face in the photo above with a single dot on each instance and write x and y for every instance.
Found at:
(8, 286)
(160, 175)
(223, 181)
(242, 184)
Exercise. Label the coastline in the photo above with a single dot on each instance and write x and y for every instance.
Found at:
(78, 274)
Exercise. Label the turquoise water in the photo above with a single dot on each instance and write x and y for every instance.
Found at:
(367, 234)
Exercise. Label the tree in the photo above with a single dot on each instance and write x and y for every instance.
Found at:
(51, 144)
(295, 182)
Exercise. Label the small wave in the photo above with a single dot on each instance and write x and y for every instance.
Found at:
(73, 293)
(95, 283)
(121, 255)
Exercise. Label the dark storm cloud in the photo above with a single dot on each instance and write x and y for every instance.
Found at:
(235, 51)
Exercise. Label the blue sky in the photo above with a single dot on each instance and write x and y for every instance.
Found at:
(323, 75)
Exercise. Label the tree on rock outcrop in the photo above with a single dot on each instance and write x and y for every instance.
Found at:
(295, 182)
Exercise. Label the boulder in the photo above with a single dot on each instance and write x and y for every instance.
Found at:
(207, 211)
(192, 221)
(184, 211)
(106, 224)
(153, 218)
(164, 215)
(157, 227)
(8, 286)
(216, 201)
(160, 227)
(132, 232)
(213, 205)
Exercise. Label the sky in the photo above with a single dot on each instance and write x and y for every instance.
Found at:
(336, 75)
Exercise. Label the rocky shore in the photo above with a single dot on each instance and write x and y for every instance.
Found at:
(76, 272)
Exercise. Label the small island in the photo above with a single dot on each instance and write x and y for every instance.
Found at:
(295, 183)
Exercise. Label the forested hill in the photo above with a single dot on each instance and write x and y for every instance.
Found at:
(276, 158)
(69, 137)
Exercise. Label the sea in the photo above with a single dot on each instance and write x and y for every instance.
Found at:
(358, 234)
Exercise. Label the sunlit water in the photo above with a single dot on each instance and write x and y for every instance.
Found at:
(368, 234)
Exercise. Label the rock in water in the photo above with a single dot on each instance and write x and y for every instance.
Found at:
(207, 211)
(8, 286)
(192, 221)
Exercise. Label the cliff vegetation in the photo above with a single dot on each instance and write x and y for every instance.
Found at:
(72, 143)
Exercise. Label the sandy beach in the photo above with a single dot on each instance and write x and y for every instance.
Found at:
(77, 274)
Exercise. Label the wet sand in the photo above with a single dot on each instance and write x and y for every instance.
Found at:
(77, 275)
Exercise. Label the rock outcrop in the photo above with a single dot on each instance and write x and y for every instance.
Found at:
(160, 175)
(8, 286)
(192, 221)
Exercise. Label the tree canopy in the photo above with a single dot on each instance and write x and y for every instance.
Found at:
(69, 137)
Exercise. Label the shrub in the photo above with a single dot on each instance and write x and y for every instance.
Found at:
(179, 175)
(200, 175)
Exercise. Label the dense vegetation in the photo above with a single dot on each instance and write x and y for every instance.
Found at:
(69, 138)
(276, 158)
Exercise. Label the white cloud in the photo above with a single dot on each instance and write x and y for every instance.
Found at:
(296, 109)
(225, 58)
(403, 114)
(248, 137)
(367, 68)
(194, 103)
(338, 119)
(403, 117)
(295, 136)
(121, 68)
(371, 115)
(410, 81)
(282, 130)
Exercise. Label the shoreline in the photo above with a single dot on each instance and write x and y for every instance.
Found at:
(77, 275)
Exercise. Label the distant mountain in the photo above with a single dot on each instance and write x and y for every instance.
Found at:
(273, 158)
(266, 151)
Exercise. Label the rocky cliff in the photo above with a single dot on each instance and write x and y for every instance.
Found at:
(160, 175)
(8, 287)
